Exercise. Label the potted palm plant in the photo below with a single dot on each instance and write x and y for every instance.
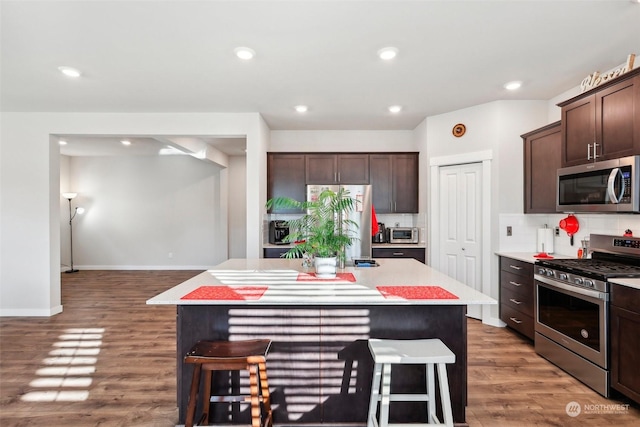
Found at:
(323, 231)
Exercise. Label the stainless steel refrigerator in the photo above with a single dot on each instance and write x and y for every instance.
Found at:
(361, 248)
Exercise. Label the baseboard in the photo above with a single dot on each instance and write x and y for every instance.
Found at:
(142, 267)
(494, 321)
(30, 312)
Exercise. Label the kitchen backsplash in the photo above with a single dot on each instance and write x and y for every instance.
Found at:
(524, 230)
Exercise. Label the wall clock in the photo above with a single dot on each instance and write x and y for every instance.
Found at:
(459, 130)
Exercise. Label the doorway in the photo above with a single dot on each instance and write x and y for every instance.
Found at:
(460, 220)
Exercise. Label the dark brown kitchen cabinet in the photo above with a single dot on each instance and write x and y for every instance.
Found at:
(516, 295)
(285, 178)
(625, 341)
(399, 252)
(337, 169)
(394, 182)
(603, 123)
(542, 154)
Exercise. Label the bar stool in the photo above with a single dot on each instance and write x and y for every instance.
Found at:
(249, 355)
(422, 351)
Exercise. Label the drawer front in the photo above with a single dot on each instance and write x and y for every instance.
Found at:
(516, 266)
(403, 252)
(517, 320)
(625, 297)
(517, 301)
(516, 283)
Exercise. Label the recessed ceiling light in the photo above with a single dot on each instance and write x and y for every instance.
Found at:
(388, 53)
(62, 142)
(245, 53)
(395, 109)
(301, 108)
(513, 85)
(125, 142)
(69, 71)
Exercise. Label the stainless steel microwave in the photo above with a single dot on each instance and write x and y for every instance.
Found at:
(402, 234)
(607, 186)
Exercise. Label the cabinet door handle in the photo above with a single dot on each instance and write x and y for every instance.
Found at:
(515, 301)
(398, 254)
(595, 153)
(588, 151)
(515, 267)
(338, 176)
(515, 283)
(514, 320)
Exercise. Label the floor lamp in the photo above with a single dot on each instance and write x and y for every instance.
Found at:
(72, 214)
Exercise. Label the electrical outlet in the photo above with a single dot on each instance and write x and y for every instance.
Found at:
(557, 231)
(509, 230)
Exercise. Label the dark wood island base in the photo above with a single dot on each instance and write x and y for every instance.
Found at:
(319, 364)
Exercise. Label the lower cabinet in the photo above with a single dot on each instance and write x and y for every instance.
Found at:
(516, 295)
(403, 252)
(625, 341)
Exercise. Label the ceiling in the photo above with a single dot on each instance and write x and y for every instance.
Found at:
(178, 56)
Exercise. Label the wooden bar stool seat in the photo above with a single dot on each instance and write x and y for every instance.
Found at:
(249, 355)
(429, 352)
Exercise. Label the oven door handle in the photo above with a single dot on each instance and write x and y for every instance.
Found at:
(603, 296)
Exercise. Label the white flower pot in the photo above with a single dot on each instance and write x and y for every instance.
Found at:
(326, 268)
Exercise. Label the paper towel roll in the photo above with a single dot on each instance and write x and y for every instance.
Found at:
(545, 240)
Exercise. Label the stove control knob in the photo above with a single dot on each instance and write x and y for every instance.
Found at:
(549, 273)
(563, 276)
(578, 281)
(588, 283)
(541, 271)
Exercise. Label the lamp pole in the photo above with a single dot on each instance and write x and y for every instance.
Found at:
(72, 214)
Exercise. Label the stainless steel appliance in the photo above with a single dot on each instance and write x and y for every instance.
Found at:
(572, 307)
(381, 235)
(278, 230)
(607, 186)
(361, 249)
(403, 235)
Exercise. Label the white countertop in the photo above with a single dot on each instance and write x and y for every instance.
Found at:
(280, 277)
(632, 283)
(530, 256)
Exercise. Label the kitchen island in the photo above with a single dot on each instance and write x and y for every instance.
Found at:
(319, 363)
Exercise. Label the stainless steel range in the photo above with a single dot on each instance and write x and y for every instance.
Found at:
(572, 307)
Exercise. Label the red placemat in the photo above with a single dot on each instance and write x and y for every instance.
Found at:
(227, 293)
(340, 277)
(415, 292)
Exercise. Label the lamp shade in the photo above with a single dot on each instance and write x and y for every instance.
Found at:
(69, 195)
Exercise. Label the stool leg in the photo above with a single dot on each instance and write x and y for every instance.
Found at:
(444, 395)
(206, 400)
(431, 393)
(266, 397)
(255, 400)
(193, 395)
(385, 398)
(375, 394)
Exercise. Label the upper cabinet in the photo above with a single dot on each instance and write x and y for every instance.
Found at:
(285, 178)
(542, 153)
(393, 176)
(394, 182)
(337, 169)
(603, 123)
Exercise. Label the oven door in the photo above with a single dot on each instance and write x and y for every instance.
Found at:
(573, 317)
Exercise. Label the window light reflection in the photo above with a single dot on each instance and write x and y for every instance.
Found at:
(69, 365)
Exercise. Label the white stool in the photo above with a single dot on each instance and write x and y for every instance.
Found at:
(424, 351)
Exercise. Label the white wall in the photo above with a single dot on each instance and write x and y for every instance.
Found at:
(30, 212)
(237, 207)
(157, 212)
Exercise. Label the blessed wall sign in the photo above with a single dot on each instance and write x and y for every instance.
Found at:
(596, 79)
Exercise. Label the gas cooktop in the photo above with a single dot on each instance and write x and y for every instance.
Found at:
(599, 268)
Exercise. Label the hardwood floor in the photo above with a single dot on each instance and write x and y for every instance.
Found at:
(117, 355)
